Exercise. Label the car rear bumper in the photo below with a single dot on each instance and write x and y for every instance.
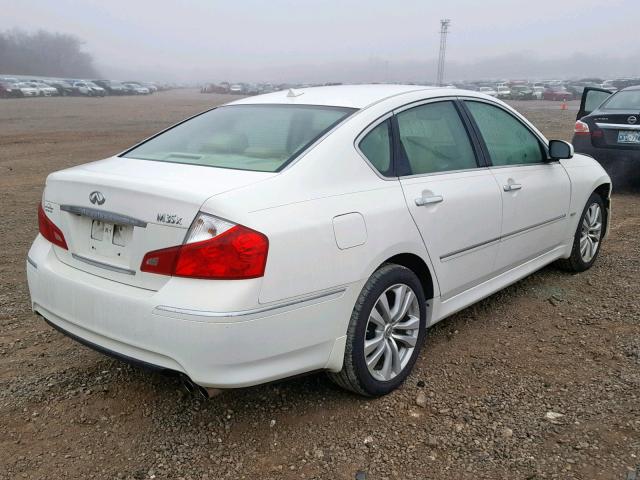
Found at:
(219, 350)
(623, 166)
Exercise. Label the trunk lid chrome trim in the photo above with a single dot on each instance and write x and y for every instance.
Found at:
(103, 216)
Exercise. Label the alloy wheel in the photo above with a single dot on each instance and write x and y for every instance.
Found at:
(591, 232)
(392, 332)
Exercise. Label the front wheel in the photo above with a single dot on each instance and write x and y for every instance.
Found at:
(385, 333)
(588, 237)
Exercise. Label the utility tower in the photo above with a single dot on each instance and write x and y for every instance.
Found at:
(444, 29)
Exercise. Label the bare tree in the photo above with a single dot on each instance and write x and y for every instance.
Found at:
(44, 53)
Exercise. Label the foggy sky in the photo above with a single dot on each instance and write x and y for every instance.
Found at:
(357, 41)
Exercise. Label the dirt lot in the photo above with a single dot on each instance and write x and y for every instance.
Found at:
(555, 342)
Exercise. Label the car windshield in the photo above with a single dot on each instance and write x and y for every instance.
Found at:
(625, 100)
(261, 138)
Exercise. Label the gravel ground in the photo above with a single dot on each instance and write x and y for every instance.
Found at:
(541, 380)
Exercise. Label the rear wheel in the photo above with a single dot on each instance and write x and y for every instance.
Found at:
(385, 333)
(588, 237)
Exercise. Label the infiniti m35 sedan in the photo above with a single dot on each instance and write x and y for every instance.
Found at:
(317, 229)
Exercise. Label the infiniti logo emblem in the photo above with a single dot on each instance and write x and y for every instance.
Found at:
(632, 119)
(96, 197)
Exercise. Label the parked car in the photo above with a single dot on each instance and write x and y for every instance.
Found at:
(112, 87)
(213, 88)
(522, 92)
(488, 91)
(608, 128)
(9, 90)
(26, 89)
(44, 90)
(236, 88)
(503, 92)
(136, 89)
(293, 232)
(150, 86)
(538, 92)
(63, 87)
(557, 94)
(89, 89)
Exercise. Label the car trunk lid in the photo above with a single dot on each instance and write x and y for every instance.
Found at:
(114, 211)
(616, 130)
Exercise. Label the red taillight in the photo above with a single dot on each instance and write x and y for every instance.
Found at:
(581, 128)
(49, 230)
(237, 253)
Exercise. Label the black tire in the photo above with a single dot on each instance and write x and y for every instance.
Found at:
(355, 375)
(576, 263)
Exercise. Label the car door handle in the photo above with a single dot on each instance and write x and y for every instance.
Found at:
(512, 187)
(422, 201)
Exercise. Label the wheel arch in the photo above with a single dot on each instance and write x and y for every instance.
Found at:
(418, 266)
(604, 190)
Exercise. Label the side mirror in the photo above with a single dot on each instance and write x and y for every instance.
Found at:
(560, 150)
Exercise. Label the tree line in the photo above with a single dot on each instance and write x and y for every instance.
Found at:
(44, 53)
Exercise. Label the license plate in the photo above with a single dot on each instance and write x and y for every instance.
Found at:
(626, 136)
(108, 237)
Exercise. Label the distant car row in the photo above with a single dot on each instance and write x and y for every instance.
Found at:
(11, 87)
(556, 90)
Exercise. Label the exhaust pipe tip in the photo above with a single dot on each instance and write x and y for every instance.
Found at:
(198, 390)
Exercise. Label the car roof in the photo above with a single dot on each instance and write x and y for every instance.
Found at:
(633, 87)
(352, 96)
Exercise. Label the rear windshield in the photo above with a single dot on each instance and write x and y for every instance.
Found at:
(629, 100)
(261, 138)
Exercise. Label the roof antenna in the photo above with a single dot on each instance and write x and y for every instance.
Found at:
(292, 94)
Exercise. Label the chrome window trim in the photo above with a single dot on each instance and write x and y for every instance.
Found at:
(617, 126)
(307, 300)
(106, 266)
(103, 215)
(550, 162)
(446, 172)
(424, 101)
(363, 133)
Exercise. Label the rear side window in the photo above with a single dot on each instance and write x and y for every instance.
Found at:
(625, 100)
(244, 137)
(434, 139)
(376, 146)
(509, 142)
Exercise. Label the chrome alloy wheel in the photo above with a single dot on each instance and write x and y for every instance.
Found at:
(591, 232)
(392, 332)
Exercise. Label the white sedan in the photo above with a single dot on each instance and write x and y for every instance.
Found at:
(26, 89)
(318, 229)
(44, 90)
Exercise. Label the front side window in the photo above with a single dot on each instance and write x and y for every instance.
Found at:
(508, 141)
(260, 138)
(434, 139)
(376, 146)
